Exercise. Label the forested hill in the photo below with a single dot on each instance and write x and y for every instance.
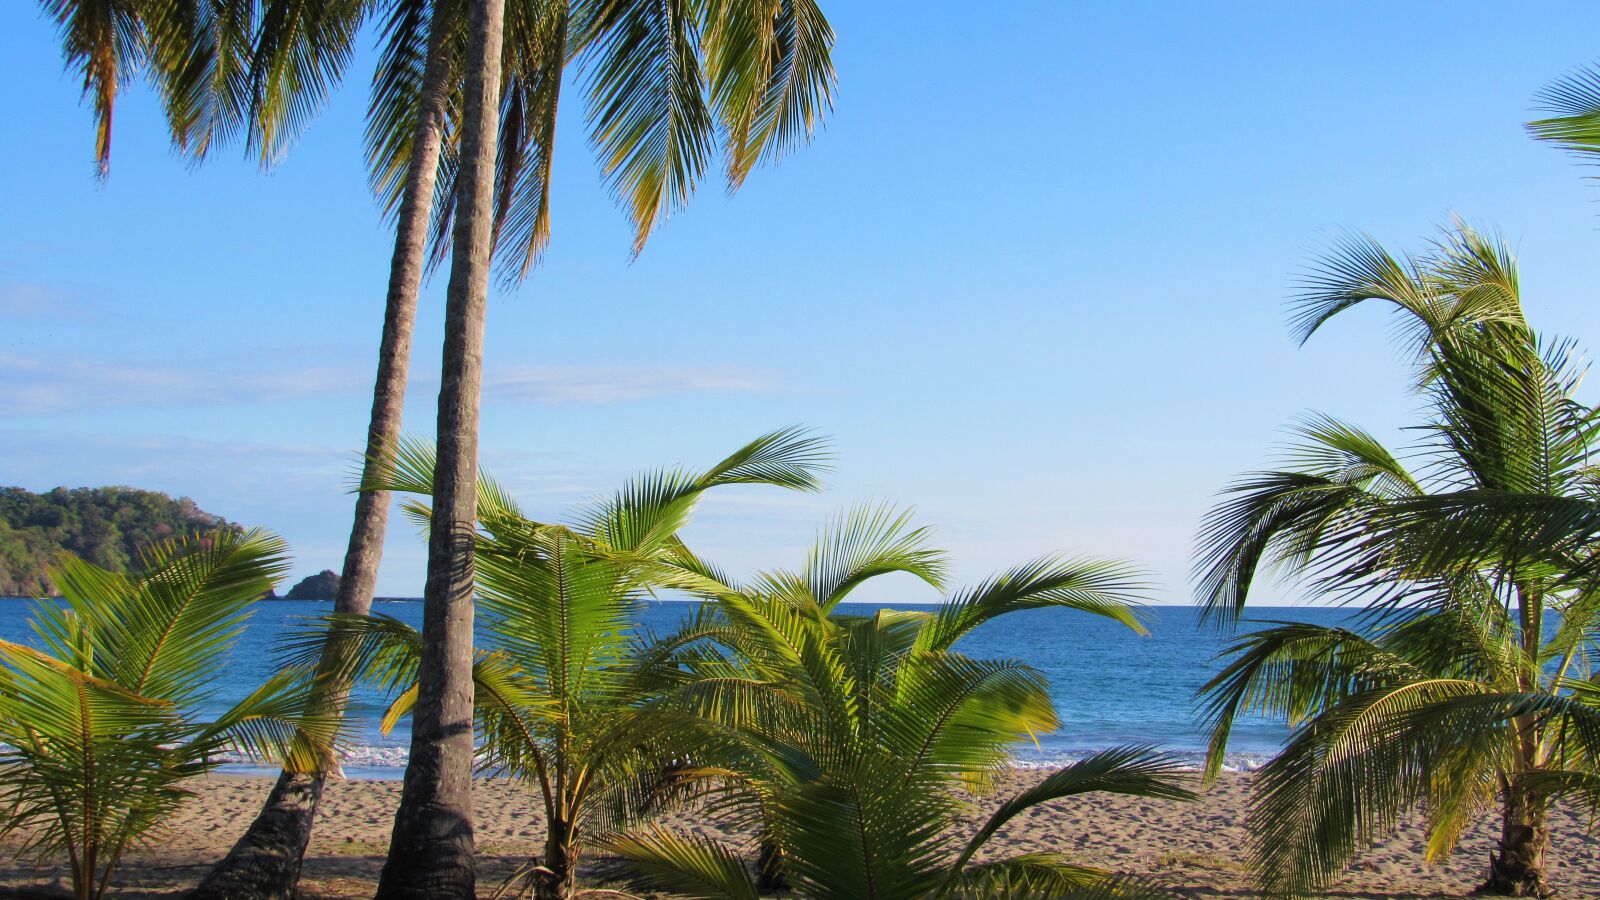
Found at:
(105, 525)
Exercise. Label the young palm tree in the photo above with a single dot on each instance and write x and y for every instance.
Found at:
(100, 723)
(560, 699)
(1465, 687)
(854, 734)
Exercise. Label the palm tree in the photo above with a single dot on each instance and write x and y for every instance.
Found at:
(1460, 691)
(771, 77)
(855, 733)
(100, 724)
(561, 699)
(653, 122)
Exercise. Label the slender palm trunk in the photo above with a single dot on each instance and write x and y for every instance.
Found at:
(1517, 869)
(265, 863)
(431, 851)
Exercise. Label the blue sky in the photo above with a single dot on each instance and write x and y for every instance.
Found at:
(1031, 279)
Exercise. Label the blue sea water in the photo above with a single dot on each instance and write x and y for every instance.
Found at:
(1111, 686)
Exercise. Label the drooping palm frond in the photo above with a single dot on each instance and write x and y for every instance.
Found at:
(649, 120)
(1138, 771)
(770, 77)
(693, 866)
(105, 41)
(1292, 671)
(301, 52)
(1106, 588)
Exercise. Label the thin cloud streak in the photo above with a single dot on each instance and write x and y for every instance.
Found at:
(33, 302)
(600, 385)
(38, 385)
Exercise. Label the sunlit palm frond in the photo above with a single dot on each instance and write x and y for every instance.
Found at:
(1138, 771)
(301, 52)
(1100, 587)
(1573, 103)
(692, 866)
(649, 120)
(770, 76)
(866, 542)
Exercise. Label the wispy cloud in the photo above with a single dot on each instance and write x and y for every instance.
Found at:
(595, 385)
(37, 302)
(40, 385)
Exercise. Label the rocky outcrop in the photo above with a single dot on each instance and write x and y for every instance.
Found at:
(322, 586)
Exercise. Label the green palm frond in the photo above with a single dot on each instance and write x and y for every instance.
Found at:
(648, 115)
(407, 468)
(1573, 103)
(1293, 671)
(1348, 778)
(301, 52)
(1046, 875)
(864, 543)
(770, 76)
(168, 635)
(691, 866)
(1137, 771)
(646, 514)
(105, 41)
(961, 716)
(1100, 587)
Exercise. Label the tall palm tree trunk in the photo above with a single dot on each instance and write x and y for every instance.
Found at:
(265, 863)
(431, 850)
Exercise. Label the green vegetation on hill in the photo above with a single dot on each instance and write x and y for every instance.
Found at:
(107, 526)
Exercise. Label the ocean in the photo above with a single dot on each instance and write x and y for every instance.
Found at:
(1111, 686)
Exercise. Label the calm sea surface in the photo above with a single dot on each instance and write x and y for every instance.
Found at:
(1111, 686)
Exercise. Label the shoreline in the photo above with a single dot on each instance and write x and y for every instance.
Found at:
(1195, 849)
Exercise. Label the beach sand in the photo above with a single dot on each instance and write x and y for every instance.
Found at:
(1195, 849)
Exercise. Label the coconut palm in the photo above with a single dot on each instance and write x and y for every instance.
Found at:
(101, 722)
(1465, 688)
(560, 701)
(856, 734)
(767, 76)
(664, 82)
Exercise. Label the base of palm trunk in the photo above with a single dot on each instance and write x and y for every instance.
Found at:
(557, 878)
(1518, 869)
(265, 863)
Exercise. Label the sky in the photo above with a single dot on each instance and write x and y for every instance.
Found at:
(1031, 279)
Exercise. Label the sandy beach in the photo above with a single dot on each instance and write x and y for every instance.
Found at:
(1195, 849)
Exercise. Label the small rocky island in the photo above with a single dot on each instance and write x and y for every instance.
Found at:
(322, 586)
